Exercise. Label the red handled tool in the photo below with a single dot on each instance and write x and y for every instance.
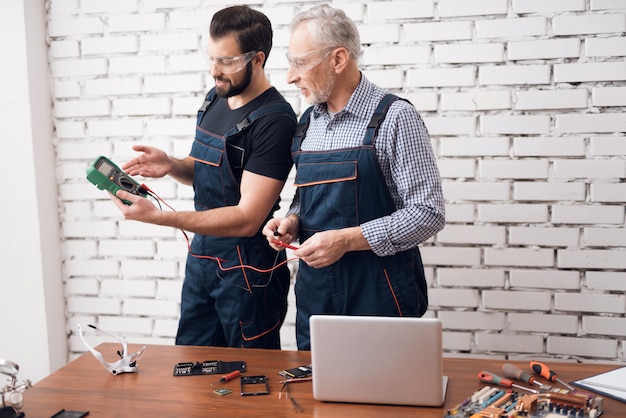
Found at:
(487, 377)
(544, 371)
(511, 370)
(228, 376)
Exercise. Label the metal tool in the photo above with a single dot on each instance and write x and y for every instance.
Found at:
(494, 379)
(11, 396)
(512, 371)
(544, 371)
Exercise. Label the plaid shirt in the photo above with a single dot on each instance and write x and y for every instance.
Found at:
(405, 156)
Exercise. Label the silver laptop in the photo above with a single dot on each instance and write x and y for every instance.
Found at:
(379, 360)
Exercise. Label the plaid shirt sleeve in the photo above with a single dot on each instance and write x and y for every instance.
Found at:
(408, 164)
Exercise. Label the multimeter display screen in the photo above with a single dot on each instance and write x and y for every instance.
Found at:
(105, 168)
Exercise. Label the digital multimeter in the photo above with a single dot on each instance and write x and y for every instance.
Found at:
(107, 176)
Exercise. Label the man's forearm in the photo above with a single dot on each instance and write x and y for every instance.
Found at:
(182, 170)
(228, 221)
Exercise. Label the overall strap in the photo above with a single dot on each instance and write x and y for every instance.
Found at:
(208, 100)
(378, 117)
(303, 125)
(257, 114)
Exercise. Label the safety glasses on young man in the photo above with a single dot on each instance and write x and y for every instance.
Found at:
(230, 65)
(304, 62)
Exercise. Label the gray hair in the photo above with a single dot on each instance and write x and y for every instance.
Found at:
(330, 27)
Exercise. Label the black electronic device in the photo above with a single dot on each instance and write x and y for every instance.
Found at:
(297, 372)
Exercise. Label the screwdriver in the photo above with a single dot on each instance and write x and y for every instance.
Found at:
(511, 370)
(543, 370)
(487, 377)
(227, 377)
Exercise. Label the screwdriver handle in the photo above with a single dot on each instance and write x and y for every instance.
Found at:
(230, 376)
(543, 371)
(487, 377)
(511, 370)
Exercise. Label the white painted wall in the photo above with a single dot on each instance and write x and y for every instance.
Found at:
(32, 320)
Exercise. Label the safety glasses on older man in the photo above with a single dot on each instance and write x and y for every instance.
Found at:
(306, 62)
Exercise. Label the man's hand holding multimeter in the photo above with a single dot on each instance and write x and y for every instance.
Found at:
(105, 175)
(129, 194)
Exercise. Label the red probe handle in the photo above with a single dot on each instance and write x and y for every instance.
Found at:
(487, 377)
(282, 244)
(230, 376)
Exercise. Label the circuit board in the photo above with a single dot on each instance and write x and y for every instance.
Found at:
(493, 402)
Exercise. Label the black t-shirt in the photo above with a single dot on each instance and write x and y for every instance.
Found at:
(263, 148)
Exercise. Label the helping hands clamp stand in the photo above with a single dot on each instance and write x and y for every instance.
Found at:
(11, 394)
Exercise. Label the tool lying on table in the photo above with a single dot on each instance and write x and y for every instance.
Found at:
(487, 377)
(543, 371)
(514, 372)
(227, 377)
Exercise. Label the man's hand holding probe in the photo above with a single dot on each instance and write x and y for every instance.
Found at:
(320, 250)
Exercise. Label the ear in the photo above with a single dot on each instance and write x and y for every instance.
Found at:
(341, 58)
(259, 58)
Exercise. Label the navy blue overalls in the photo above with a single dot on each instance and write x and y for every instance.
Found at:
(238, 307)
(339, 189)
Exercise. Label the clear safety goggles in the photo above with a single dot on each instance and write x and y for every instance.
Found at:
(230, 65)
(303, 62)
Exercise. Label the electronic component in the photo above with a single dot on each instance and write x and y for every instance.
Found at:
(297, 372)
(254, 385)
(222, 391)
(490, 402)
(107, 176)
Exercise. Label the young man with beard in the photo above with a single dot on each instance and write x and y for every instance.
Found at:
(365, 197)
(238, 164)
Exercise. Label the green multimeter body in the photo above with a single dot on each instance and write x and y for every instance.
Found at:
(107, 176)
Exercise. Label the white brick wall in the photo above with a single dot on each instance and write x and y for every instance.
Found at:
(525, 101)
